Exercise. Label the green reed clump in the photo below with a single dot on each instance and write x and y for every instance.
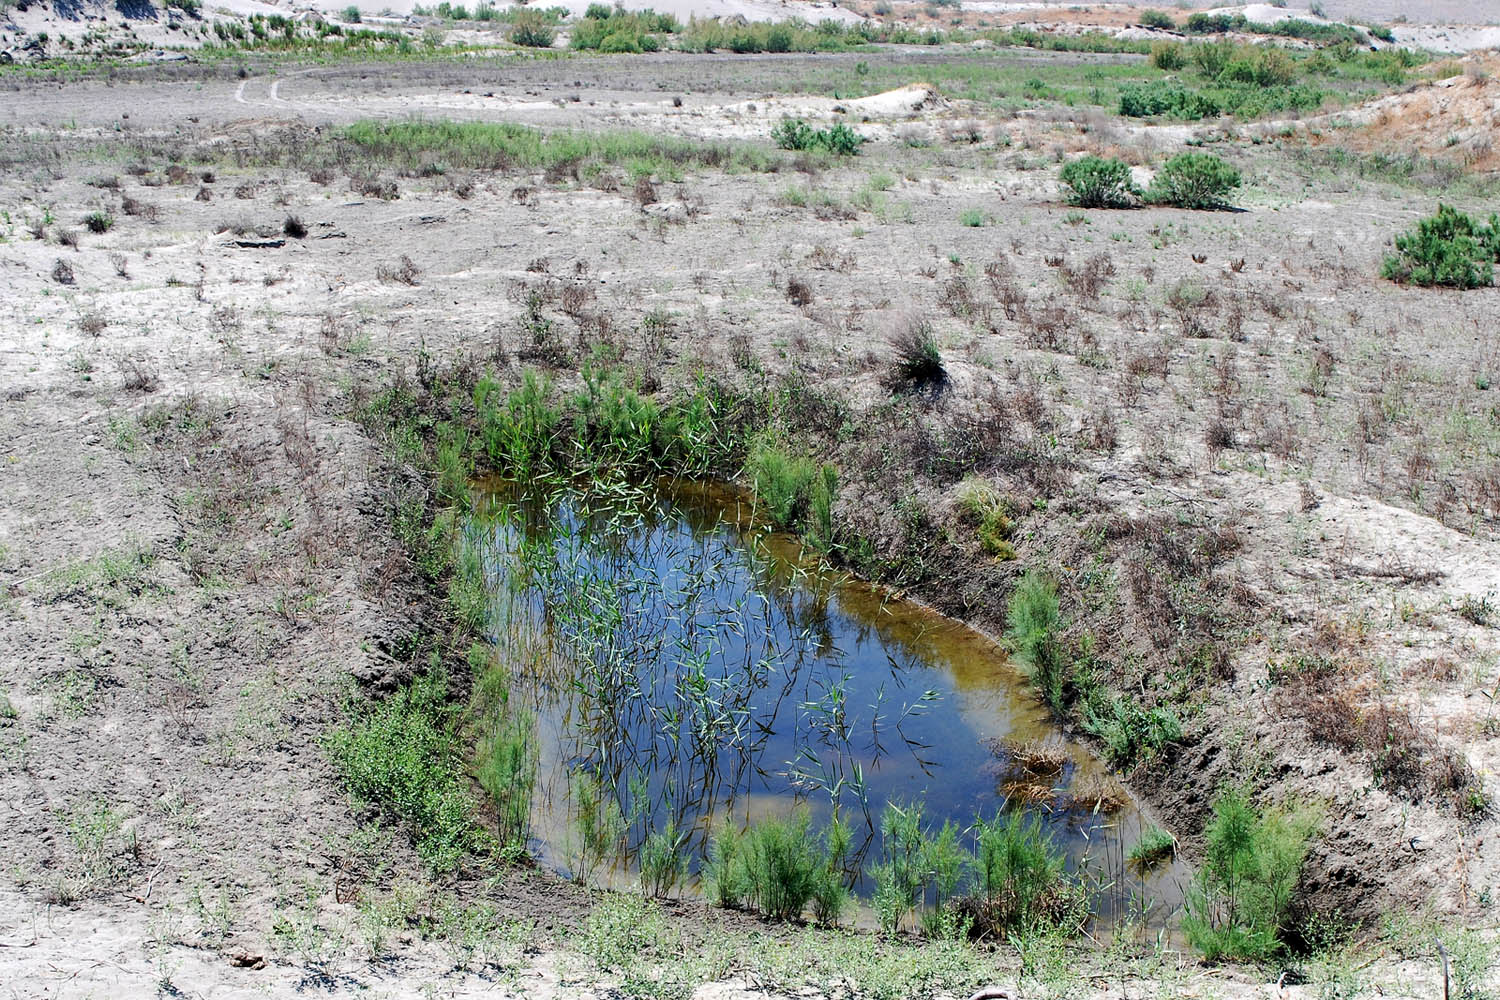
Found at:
(599, 825)
(779, 867)
(505, 757)
(663, 859)
(404, 755)
(1012, 879)
(1155, 846)
(1032, 632)
(520, 431)
(1239, 906)
(796, 493)
(613, 425)
(1019, 880)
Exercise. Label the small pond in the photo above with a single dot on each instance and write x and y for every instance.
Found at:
(704, 668)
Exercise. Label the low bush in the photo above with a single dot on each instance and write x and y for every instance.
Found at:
(1174, 100)
(1168, 56)
(1158, 19)
(796, 134)
(1019, 884)
(532, 30)
(1032, 633)
(1129, 732)
(990, 514)
(98, 222)
(1244, 891)
(1450, 249)
(404, 755)
(1193, 180)
(1099, 182)
(608, 30)
(520, 431)
(779, 867)
(918, 363)
(795, 493)
(1012, 881)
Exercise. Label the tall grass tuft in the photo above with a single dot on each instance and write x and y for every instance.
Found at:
(779, 867)
(795, 493)
(1032, 626)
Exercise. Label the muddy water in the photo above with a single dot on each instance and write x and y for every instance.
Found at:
(707, 669)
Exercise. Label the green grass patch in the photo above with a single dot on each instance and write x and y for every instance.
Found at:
(405, 755)
(502, 146)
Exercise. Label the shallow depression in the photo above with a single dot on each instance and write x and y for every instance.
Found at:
(704, 669)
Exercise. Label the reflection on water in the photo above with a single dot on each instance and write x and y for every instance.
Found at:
(704, 669)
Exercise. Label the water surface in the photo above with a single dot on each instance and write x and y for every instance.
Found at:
(707, 669)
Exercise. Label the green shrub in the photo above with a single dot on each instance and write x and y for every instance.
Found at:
(840, 140)
(901, 879)
(532, 29)
(1019, 884)
(1168, 56)
(792, 133)
(779, 867)
(1162, 98)
(663, 859)
(1193, 180)
(620, 42)
(608, 30)
(403, 755)
(796, 134)
(190, 7)
(1212, 58)
(1174, 100)
(1032, 626)
(1098, 182)
(352, 15)
(1158, 19)
(971, 217)
(1244, 890)
(98, 222)
(613, 424)
(520, 433)
(1450, 249)
(1128, 731)
(795, 493)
